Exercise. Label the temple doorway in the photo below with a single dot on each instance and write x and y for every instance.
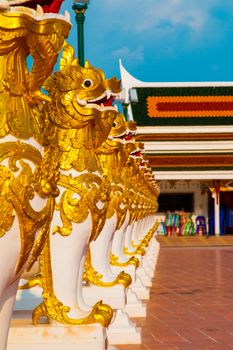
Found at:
(226, 213)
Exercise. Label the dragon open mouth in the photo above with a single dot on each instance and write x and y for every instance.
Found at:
(136, 153)
(107, 102)
(128, 137)
(144, 163)
(102, 103)
(124, 137)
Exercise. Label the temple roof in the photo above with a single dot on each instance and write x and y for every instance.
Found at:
(181, 103)
(186, 127)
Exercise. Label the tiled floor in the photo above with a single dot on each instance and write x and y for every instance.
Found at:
(195, 241)
(191, 305)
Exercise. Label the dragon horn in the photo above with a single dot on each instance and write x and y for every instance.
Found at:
(87, 64)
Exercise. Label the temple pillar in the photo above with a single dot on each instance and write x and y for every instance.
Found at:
(215, 195)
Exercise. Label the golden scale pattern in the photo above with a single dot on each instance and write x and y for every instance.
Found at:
(71, 137)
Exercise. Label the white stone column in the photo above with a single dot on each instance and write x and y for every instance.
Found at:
(216, 213)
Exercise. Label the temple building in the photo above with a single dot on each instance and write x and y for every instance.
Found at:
(187, 130)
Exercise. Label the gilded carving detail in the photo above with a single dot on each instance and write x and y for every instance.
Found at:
(17, 183)
(90, 189)
(51, 307)
(95, 175)
(92, 276)
(76, 123)
(114, 260)
(20, 35)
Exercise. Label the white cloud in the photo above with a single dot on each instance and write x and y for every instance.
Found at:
(173, 16)
(134, 56)
(158, 24)
(149, 14)
(151, 31)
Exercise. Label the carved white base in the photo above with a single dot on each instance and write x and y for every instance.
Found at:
(146, 280)
(140, 290)
(114, 296)
(150, 266)
(123, 331)
(134, 306)
(24, 336)
(154, 249)
(149, 270)
(152, 257)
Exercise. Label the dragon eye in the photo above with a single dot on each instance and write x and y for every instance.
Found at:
(88, 83)
(114, 124)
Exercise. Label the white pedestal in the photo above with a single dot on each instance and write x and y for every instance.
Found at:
(149, 270)
(151, 260)
(24, 336)
(114, 296)
(134, 307)
(123, 331)
(146, 280)
(140, 290)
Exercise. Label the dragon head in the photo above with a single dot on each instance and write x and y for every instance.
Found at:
(121, 129)
(80, 112)
(83, 97)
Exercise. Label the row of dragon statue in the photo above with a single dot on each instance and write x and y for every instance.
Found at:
(76, 196)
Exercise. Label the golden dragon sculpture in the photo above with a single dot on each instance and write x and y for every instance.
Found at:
(26, 207)
(78, 119)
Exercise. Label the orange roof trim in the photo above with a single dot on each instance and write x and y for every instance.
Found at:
(189, 106)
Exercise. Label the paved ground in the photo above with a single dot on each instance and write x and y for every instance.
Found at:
(191, 306)
(195, 241)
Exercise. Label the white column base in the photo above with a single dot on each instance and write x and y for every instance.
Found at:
(123, 331)
(140, 290)
(146, 280)
(114, 296)
(134, 306)
(24, 336)
(154, 246)
(151, 262)
(148, 270)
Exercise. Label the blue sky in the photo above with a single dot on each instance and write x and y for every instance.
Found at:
(160, 40)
